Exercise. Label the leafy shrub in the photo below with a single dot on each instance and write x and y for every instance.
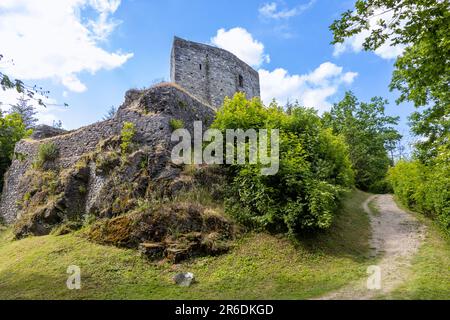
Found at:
(127, 136)
(47, 152)
(425, 187)
(176, 124)
(12, 129)
(314, 169)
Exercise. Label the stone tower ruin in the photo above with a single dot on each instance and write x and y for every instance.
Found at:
(210, 73)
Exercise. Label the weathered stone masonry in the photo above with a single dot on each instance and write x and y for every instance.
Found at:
(150, 110)
(210, 73)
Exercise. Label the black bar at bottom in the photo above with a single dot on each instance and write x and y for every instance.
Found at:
(221, 309)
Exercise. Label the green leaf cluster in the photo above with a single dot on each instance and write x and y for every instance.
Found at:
(12, 130)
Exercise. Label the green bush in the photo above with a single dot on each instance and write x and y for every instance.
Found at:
(127, 136)
(314, 169)
(176, 124)
(425, 187)
(47, 152)
(12, 129)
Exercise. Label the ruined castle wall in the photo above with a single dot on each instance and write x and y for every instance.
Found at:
(210, 73)
(150, 110)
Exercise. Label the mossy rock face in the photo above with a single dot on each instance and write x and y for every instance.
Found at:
(41, 220)
(139, 204)
(117, 231)
(101, 146)
(53, 197)
(134, 212)
(159, 225)
(176, 231)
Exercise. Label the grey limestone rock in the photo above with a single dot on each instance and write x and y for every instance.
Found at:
(149, 110)
(43, 131)
(184, 279)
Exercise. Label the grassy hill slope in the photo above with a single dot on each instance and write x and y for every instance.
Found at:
(260, 266)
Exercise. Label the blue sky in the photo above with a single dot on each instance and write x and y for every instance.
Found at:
(89, 52)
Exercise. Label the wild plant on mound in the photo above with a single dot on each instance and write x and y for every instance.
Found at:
(47, 152)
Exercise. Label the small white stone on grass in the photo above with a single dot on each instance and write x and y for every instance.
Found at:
(184, 279)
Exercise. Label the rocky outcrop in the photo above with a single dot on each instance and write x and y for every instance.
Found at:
(116, 178)
(90, 171)
(176, 231)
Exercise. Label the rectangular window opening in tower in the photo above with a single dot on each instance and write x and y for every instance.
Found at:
(241, 81)
(200, 65)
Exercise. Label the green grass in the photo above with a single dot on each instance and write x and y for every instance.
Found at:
(260, 266)
(430, 267)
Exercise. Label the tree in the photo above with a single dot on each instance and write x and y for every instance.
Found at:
(110, 113)
(422, 72)
(26, 111)
(12, 130)
(369, 134)
(57, 124)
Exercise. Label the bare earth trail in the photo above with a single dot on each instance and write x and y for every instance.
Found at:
(396, 238)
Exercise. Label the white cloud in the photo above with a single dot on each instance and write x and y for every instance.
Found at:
(390, 52)
(317, 97)
(104, 25)
(279, 85)
(322, 74)
(355, 42)
(240, 42)
(45, 115)
(271, 10)
(279, 14)
(311, 90)
(50, 39)
(72, 83)
(349, 77)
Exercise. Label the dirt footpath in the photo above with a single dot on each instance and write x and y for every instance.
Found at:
(396, 237)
